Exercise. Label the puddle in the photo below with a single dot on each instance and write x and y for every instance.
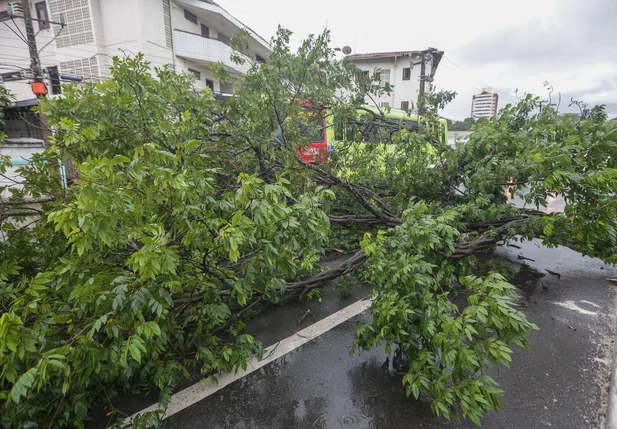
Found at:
(526, 281)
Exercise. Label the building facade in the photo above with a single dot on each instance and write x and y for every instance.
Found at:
(187, 35)
(409, 72)
(484, 105)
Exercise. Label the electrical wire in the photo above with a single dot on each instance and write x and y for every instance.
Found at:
(83, 50)
(78, 57)
(25, 39)
(20, 37)
(120, 41)
(480, 80)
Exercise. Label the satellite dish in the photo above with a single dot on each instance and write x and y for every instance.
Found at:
(346, 50)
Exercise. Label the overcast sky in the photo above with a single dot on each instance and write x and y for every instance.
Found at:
(504, 45)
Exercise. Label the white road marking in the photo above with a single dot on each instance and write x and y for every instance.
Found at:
(195, 393)
(590, 303)
(571, 305)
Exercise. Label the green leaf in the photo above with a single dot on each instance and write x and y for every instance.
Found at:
(135, 352)
(22, 386)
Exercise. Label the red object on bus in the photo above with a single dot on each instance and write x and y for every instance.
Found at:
(317, 148)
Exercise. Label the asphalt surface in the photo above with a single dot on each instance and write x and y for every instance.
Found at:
(561, 383)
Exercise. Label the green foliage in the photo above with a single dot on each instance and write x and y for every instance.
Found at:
(449, 342)
(144, 264)
(189, 213)
(464, 125)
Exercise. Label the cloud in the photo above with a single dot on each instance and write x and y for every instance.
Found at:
(574, 33)
(573, 46)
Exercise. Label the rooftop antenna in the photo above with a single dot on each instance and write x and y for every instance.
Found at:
(346, 50)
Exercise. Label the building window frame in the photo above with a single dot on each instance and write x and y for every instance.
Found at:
(54, 80)
(407, 73)
(195, 73)
(224, 38)
(210, 84)
(260, 59)
(190, 16)
(227, 88)
(205, 31)
(405, 106)
(42, 15)
(384, 77)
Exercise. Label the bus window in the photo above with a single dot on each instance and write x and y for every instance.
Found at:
(411, 125)
(339, 129)
(314, 146)
(313, 130)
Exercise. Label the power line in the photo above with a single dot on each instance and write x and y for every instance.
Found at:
(80, 57)
(480, 80)
(14, 32)
(120, 41)
(83, 50)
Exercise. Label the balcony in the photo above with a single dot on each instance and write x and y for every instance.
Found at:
(206, 51)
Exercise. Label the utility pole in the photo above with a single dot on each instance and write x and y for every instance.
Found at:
(35, 62)
(422, 76)
(38, 83)
(421, 102)
(541, 104)
(426, 57)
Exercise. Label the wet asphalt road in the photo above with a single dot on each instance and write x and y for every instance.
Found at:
(561, 383)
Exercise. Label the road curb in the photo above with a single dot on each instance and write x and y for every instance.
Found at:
(611, 415)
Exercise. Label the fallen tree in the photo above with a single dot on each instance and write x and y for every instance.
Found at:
(190, 213)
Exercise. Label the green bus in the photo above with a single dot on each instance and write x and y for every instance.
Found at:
(368, 125)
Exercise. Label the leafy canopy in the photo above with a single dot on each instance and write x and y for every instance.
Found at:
(189, 214)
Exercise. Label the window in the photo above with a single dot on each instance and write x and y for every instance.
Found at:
(260, 59)
(312, 127)
(405, 106)
(188, 15)
(384, 77)
(205, 31)
(407, 73)
(167, 19)
(362, 75)
(384, 104)
(54, 80)
(196, 73)
(224, 38)
(210, 84)
(227, 88)
(41, 15)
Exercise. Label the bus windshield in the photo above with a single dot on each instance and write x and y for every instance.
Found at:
(313, 129)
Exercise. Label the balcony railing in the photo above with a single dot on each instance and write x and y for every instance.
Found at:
(201, 48)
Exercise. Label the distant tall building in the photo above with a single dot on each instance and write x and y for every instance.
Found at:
(484, 105)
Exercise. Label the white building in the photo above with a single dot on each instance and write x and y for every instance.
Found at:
(484, 105)
(188, 35)
(403, 70)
